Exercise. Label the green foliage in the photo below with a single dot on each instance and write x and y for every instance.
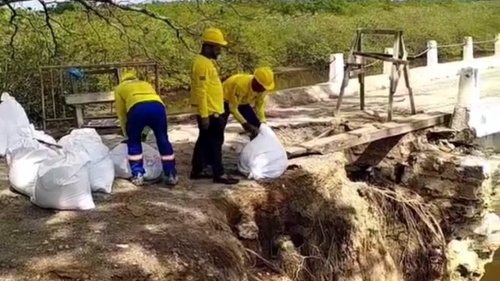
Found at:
(274, 33)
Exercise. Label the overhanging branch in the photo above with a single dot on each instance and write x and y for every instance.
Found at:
(12, 21)
(50, 27)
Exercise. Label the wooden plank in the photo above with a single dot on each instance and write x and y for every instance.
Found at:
(101, 71)
(88, 98)
(383, 57)
(367, 134)
(116, 64)
(379, 31)
(79, 115)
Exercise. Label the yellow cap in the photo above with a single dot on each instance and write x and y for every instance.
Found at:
(265, 77)
(214, 36)
(129, 74)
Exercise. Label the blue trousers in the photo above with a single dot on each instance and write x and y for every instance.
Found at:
(153, 115)
(246, 111)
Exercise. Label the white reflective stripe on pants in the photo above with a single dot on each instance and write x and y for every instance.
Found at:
(168, 157)
(135, 157)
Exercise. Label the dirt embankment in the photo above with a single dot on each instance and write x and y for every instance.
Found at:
(386, 211)
(387, 214)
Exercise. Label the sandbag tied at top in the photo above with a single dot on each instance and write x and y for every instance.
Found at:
(64, 183)
(264, 157)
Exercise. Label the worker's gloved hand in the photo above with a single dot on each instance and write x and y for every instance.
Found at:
(205, 122)
(251, 129)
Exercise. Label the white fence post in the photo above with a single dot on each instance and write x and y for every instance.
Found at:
(336, 68)
(468, 98)
(432, 53)
(468, 49)
(388, 64)
(497, 46)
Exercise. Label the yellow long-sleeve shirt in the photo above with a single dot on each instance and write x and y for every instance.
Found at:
(238, 91)
(207, 96)
(129, 93)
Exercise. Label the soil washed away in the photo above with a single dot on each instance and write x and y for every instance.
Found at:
(404, 208)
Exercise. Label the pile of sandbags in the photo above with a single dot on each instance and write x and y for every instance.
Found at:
(63, 175)
(264, 157)
(56, 176)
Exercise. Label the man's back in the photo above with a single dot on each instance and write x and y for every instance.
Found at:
(136, 91)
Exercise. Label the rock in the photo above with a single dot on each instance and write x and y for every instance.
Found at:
(462, 260)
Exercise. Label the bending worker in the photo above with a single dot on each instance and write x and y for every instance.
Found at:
(207, 100)
(241, 91)
(139, 106)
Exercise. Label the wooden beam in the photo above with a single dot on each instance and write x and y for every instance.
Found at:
(367, 134)
(379, 31)
(101, 71)
(79, 115)
(382, 57)
(118, 64)
(88, 98)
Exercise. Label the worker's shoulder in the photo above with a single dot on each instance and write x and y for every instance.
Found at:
(202, 62)
(241, 79)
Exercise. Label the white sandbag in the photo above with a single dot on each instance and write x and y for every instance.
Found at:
(14, 118)
(24, 161)
(63, 183)
(263, 157)
(3, 139)
(101, 167)
(151, 158)
(41, 135)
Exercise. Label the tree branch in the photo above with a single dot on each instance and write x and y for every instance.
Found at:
(50, 27)
(151, 15)
(122, 32)
(12, 20)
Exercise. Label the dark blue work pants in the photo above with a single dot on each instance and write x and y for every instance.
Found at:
(246, 111)
(153, 115)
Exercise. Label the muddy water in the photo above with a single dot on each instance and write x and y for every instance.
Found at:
(492, 144)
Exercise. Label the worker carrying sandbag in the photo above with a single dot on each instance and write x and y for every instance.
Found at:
(242, 91)
(139, 106)
(207, 100)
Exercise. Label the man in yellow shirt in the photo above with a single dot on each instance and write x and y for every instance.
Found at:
(139, 106)
(241, 91)
(207, 100)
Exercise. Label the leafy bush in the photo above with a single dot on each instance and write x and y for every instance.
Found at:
(274, 33)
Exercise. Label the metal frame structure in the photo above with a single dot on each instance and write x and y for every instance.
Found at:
(355, 65)
(54, 108)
